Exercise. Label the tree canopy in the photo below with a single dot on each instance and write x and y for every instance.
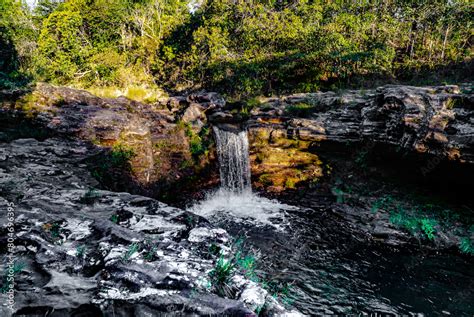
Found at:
(241, 48)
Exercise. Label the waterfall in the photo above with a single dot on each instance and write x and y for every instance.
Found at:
(233, 156)
(234, 199)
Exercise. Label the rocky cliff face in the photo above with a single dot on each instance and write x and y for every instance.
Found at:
(163, 144)
(433, 120)
(427, 121)
(170, 142)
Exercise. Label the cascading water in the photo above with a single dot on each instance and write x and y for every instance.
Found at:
(234, 164)
(235, 197)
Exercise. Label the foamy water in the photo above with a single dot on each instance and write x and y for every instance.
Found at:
(242, 207)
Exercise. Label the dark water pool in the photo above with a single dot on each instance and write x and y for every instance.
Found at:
(333, 269)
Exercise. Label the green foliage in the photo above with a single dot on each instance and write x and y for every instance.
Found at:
(53, 229)
(466, 246)
(114, 218)
(62, 46)
(132, 249)
(121, 155)
(263, 47)
(302, 110)
(243, 261)
(221, 275)
(150, 249)
(198, 142)
(428, 227)
(418, 219)
(238, 47)
(117, 160)
(80, 251)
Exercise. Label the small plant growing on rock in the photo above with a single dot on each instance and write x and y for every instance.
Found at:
(150, 247)
(150, 255)
(427, 225)
(54, 229)
(114, 218)
(221, 276)
(466, 246)
(302, 110)
(80, 251)
(132, 249)
(105, 168)
(121, 155)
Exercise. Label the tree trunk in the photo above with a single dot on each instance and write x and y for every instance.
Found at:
(444, 42)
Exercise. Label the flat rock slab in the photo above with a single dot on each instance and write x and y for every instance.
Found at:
(81, 250)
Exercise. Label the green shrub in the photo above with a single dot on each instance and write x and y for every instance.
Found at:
(121, 155)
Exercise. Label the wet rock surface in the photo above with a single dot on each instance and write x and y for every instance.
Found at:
(87, 252)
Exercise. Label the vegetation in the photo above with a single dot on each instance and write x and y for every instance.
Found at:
(81, 251)
(237, 47)
(105, 168)
(424, 220)
(200, 142)
(242, 261)
(220, 276)
(277, 170)
(132, 249)
(466, 246)
(54, 230)
(300, 110)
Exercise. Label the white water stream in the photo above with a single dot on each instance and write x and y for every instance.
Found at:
(235, 198)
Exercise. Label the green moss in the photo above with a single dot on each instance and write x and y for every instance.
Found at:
(266, 179)
(290, 183)
(302, 110)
